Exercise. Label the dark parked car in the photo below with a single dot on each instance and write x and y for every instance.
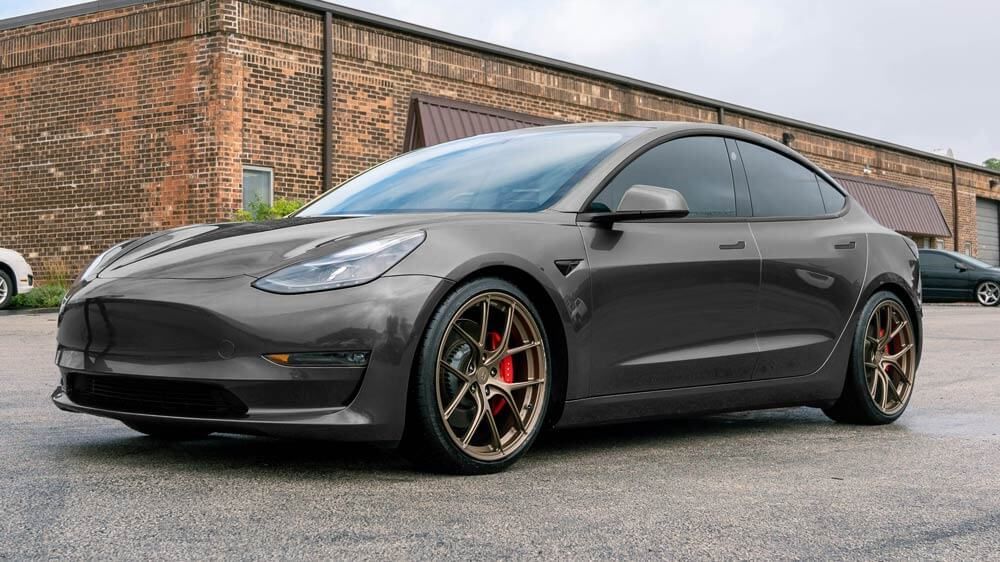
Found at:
(460, 298)
(951, 276)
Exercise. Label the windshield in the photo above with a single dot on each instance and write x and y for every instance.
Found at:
(523, 171)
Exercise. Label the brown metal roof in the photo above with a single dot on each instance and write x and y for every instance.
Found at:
(435, 120)
(905, 209)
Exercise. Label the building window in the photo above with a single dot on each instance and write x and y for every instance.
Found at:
(258, 186)
(928, 242)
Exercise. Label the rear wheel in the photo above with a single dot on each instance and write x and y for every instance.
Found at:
(168, 432)
(988, 293)
(481, 383)
(883, 365)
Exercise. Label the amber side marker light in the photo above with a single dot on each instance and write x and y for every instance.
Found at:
(320, 359)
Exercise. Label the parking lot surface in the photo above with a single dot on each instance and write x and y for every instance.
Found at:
(776, 484)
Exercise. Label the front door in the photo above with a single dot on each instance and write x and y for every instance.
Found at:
(674, 301)
(674, 305)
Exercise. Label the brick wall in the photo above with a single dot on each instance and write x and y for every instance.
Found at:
(104, 131)
(127, 121)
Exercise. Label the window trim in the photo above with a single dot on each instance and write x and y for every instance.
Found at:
(270, 183)
(583, 215)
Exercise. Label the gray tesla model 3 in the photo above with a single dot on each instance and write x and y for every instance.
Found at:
(459, 299)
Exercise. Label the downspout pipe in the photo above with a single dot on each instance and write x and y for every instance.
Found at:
(327, 101)
(954, 202)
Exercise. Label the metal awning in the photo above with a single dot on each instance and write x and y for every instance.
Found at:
(434, 120)
(910, 210)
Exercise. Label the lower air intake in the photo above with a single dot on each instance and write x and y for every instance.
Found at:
(154, 396)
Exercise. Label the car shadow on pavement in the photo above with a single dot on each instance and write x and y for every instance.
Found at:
(301, 459)
(790, 421)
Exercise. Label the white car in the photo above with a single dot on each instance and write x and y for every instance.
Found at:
(15, 276)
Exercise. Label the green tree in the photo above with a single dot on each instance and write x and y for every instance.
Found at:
(261, 211)
(992, 163)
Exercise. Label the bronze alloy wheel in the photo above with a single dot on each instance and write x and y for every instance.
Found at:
(491, 373)
(890, 357)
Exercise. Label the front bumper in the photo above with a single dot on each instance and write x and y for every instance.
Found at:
(133, 349)
(25, 283)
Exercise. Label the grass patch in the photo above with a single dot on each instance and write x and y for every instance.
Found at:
(43, 296)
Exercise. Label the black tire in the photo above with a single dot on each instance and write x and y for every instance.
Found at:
(856, 405)
(168, 432)
(979, 296)
(426, 441)
(8, 298)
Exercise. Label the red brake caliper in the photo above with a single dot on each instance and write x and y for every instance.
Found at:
(505, 371)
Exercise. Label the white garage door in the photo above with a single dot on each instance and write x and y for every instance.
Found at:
(988, 231)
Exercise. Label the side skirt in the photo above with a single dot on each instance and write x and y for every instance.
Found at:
(816, 389)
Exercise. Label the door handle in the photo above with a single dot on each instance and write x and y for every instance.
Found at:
(845, 245)
(734, 246)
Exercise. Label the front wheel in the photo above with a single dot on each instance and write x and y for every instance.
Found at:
(882, 367)
(7, 289)
(988, 293)
(481, 384)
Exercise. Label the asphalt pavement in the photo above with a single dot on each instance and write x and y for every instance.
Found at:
(778, 484)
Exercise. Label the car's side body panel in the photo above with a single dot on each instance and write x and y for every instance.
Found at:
(892, 267)
(675, 304)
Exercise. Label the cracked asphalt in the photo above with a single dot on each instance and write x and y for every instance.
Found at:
(778, 484)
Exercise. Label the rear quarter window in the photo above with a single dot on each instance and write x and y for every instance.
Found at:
(833, 199)
(779, 186)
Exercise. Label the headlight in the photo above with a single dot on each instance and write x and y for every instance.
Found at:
(100, 261)
(352, 266)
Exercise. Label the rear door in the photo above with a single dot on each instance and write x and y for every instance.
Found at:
(674, 300)
(813, 262)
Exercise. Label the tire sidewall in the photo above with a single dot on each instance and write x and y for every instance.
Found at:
(858, 381)
(424, 417)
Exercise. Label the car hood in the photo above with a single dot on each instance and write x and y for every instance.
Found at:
(213, 251)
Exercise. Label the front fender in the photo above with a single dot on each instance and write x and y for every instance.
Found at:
(458, 251)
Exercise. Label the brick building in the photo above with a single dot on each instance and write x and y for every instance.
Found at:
(121, 117)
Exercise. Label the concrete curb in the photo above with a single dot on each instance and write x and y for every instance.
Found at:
(20, 311)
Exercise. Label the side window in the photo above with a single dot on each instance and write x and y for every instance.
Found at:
(698, 167)
(930, 260)
(779, 186)
(833, 200)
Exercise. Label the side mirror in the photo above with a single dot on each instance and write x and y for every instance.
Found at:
(960, 266)
(646, 202)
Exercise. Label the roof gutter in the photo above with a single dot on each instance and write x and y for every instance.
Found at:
(475, 44)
